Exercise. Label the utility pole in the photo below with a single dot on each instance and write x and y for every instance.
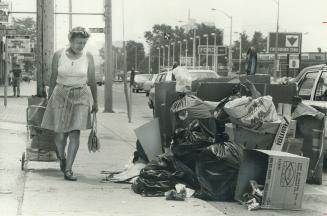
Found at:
(70, 15)
(45, 43)
(149, 59)
(108, 66)
(159, 60)
(194, 45)
(276, 43)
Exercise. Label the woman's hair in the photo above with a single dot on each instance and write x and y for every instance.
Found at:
(78, 32)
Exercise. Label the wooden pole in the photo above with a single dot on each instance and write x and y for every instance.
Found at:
(45, 43)
(70, 15)
(125, 67)
(108, 65)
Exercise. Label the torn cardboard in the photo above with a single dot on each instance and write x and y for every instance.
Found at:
(282, 174)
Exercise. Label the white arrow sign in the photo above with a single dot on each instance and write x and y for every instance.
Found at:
(292, 41)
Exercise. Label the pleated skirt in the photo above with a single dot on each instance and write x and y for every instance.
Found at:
(68, 109)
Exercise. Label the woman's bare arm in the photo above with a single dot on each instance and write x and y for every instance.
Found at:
(54, 71)
(91, 79)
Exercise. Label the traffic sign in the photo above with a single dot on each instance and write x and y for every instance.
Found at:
(212, 50)
(186, 61)
(294, 63)
(18, 44)
(96, 30)
(287, 42)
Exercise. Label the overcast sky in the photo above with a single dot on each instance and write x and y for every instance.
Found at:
(248, 15)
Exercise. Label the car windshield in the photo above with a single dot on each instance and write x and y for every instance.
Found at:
(202, 75)
(141, 78)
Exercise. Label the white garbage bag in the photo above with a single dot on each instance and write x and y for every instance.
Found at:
(183, 79)
(252, 113)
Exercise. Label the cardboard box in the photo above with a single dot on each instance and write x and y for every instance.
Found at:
(282, 174)
(253, 139)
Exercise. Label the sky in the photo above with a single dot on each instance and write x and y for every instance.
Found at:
(248, 15)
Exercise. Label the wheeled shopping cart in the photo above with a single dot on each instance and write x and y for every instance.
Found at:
(40, 142)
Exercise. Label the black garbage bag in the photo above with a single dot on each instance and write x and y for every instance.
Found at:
(188, 143)
(193, 133)
(217, 170)
(162, 175)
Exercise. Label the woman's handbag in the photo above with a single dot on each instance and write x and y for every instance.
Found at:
(94, 142)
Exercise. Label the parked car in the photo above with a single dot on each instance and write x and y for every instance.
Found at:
(139, 80)
(312, 88)
(149, 84)
(197, 75)
(99, 78)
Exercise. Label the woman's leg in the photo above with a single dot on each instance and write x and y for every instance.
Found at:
(72, 148)
(60, 141)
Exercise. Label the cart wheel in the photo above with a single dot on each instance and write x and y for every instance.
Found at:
(23, 161)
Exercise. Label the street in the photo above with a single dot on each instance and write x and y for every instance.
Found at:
(41, 189)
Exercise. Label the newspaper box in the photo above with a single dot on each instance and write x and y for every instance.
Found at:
(282, 174)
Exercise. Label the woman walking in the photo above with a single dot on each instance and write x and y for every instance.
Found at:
(72, 92)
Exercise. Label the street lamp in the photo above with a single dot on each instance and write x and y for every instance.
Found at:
(158, 48)
(230, 38)
(214, 57)
(240, 60)
(276, 41)
(198, 37)
(185, 40)
(180, 51)
(168, 56)
(207, 53)
(163, 56)
(173, 44)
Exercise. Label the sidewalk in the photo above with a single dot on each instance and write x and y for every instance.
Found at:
(47, 193)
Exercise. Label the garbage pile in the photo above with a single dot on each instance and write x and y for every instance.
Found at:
(202, 156)
(229, 150)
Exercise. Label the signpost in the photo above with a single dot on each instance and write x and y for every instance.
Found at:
(212, 50)
(96, 30)
(287, 42)
(18, 44)
(186, 60)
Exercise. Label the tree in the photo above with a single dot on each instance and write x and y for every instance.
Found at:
(259, 42)
(135, 56)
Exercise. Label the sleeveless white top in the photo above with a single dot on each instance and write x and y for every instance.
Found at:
(72, 72)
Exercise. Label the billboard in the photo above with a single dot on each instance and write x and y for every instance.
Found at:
(212, 50)
(287, 42)
(18, 43)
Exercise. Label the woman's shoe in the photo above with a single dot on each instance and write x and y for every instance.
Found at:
(63, 165)
(70, 176)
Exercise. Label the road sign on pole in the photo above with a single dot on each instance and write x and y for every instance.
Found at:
(287, 42)
(18, 43)
(96, 30)
(212, 50)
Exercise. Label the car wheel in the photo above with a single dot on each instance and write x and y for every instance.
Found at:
(147, 94)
